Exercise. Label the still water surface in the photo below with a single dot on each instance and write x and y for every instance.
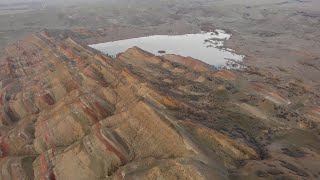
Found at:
(204, 46)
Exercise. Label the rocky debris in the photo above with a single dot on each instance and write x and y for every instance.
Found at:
(294, 169)
(314, 114)
(270, 93)
(294, 152)
(188, 61)
(225, 74)
(70, 112)
(275, 172)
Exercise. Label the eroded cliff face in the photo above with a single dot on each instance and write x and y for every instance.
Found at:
(69, 112)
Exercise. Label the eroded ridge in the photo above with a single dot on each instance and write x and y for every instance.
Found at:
(69, 112)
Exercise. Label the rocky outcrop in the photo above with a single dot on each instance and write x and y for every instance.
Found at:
(195, 64)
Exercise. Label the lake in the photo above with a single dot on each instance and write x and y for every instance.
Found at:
(204, 46)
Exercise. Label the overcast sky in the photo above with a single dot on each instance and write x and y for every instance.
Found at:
(48, 1)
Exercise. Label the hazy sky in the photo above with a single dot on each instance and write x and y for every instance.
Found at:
(17, 1)
(48, 1)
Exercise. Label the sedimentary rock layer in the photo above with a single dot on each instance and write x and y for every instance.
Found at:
(69, 112)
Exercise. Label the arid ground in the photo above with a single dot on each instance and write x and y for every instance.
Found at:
(71, 112)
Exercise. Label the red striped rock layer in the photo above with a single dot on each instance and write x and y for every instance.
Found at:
(68, 112)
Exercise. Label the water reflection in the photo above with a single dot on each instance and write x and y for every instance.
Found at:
(205, 46)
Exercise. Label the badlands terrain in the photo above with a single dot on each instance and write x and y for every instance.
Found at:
(70, 112)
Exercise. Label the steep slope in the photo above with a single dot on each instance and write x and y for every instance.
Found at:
(69, 112)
